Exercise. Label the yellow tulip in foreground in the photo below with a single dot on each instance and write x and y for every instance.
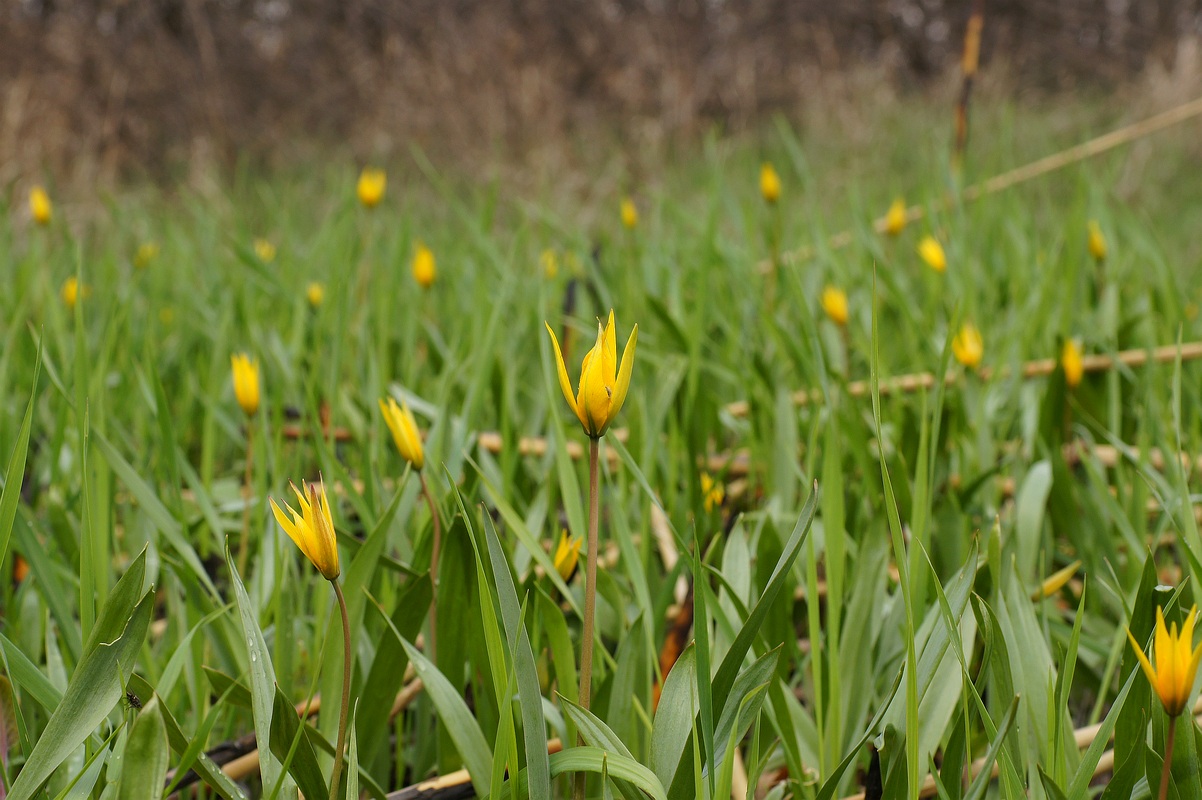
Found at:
(372, 182)
(769, 183)
(834, 303)
(567, 553)
(630, 214)
(404, 432)
(316, 294)
(147, 252)
(246, 382)
(312, 528)
(1176, 663)
(895, 217)
(70, 292)
(932, 253)
(424, 270)
(602, 385)
(968, 347)
(1097, 242)
(40, 206)
(1072, 362)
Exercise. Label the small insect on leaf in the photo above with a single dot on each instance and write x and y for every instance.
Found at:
(132, 701)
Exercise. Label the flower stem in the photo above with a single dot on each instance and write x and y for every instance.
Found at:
(1168, 759)
(590, 593)
(433, 561)
(346, 691)
(243, 545)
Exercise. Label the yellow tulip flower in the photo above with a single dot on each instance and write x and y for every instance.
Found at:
(550, 264)
(70, 292)
(372, 182)
(1097, 242)
(895, 217)
(968, 347)
(712, 492)
(769, 183)
(1072, 361)
(246, 382)
(630, 214)
(316, 294)
(404, 432)
(312, 529)
(1176, 664)
(932, 253)
(424, 271)
(567, 554)
(265, 250)
(834, 303)
(40, 206)
(602, 385)
(147, 252)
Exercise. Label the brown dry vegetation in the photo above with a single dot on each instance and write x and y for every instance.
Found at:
(134, 86)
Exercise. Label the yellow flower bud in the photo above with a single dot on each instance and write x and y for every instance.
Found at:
(603, 385)
(246, 382)
(630, 214)
(1097, 242)
(968, 347)
(1072, 362)
(70, 292)
(147, 252)
(316, 294)
(712, 492)
(932, 253)
(769, 183)
(834, 303)
(567, 555)
(895, 217)
(550, 264)
(405, 433)
(265, 250)
(40, 206)
(312, 529)
(372, 182)
(424, 271)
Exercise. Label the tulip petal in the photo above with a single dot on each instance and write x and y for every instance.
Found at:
(609, 352)
(622, 384)
(1143, 659)
(593, 401)
(565, 385)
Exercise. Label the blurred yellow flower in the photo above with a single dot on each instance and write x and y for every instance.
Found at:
(146, 252)
(265, 250)
(246, 382)
(372, 182)
(1176, 664)
(1097, 242)
(70, 292)
(424, 271)
(968, 347)
(895, 217)
(567, 555)
(316, 294)
(712, 492)
(550, 264)
(166, 315)
(40, 206)
(1072, 361)
(769, 183)
(602, 385)
(932, 253)
(834, 303)
(405, 433)
(312, 528)
(630, 214)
